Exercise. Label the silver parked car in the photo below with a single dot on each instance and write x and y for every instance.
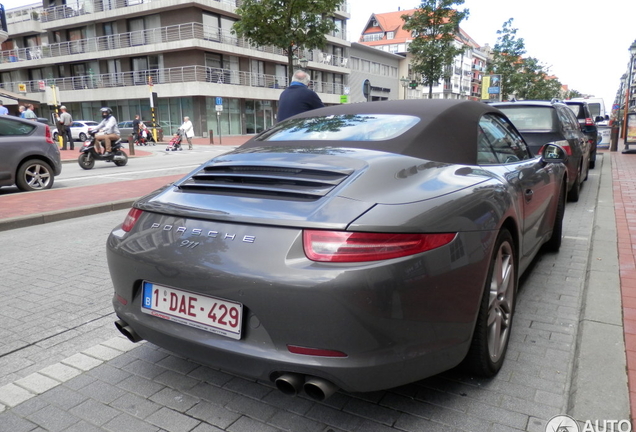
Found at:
(359, 246)
(29, 158)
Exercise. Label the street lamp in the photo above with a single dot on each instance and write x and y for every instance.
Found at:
(405, 83)
(632, 51)
(303, 63)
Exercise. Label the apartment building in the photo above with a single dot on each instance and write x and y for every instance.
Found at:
(384, 31)
(117, 53)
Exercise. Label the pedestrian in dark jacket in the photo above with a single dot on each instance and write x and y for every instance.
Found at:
(298, 97)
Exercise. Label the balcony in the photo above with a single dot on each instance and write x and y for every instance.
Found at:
(180, 75)
(162, 35)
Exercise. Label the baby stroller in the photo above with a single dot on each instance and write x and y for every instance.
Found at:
(175, 142)
(144, 137)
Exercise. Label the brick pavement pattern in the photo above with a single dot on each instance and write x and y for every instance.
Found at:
(65, 368)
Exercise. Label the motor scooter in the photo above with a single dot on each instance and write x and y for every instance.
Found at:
(88, 154)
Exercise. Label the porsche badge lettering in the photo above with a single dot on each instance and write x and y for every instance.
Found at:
(201, 233)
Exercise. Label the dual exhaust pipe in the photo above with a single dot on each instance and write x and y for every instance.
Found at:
(125, 329)
(288, 383)
(316, 388)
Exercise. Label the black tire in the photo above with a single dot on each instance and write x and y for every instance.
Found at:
(86, 161)
(554, 243)
(55, 137)
(34, 174)
(82, 136)
(494, 320)
(575, 192)
(123, 161)
(592, 164)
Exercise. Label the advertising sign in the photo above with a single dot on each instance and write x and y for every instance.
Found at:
(630, 137)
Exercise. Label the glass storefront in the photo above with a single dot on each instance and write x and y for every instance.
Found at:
(238, 116)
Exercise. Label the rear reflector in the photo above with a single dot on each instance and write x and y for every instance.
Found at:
(131, 219)
(341, 246)
(314, 351)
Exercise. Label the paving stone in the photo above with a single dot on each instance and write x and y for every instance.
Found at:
(37, 383)
(246, 424)
(172, 421)
(174, 399)
(213, 414)
(102, 352)
(53, 419)
(12, 395)
(9, 422)
(82, 361)
(94, 412)
(135, 405)
(60, 372)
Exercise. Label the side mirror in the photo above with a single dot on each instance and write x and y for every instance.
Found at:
(553, 153)
(600, 119)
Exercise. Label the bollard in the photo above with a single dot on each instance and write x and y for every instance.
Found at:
(211, 133)
(131, 145)
(614, 138)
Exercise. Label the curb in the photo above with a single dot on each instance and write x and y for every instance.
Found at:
(59, 215)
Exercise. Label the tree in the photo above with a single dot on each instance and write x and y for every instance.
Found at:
(434, 26)
(287, 24)
(538, 84)
(507, 60)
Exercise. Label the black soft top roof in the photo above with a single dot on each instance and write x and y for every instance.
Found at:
(447, 130)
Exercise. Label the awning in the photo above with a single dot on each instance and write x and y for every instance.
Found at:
(10, 95)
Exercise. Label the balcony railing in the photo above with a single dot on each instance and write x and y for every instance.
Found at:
(184, 74)
(181, 32)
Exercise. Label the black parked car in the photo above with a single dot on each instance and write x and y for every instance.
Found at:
(360, 246)
(588, 125)
(543, 122)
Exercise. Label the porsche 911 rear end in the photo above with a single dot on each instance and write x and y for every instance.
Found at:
(251, 265)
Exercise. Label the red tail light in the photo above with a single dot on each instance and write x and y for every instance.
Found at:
(589, 122)
(131, 219)
(47, 134)
(340, 246)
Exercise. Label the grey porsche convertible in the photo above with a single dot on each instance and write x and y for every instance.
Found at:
(356, 247)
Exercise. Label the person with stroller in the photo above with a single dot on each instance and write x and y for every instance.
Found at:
(107, 131)
(188, 131)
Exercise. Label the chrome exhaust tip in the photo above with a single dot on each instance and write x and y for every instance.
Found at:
(290, 383)
(319, 389)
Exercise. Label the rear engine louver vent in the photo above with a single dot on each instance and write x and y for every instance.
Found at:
(266, 181)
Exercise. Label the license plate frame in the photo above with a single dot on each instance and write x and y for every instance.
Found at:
(208, 313)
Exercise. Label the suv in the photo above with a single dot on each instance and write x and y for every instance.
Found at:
(543, 122)
(29, 158)
(588, 126)
(126, 130)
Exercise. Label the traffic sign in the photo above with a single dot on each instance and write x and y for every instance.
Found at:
(219, 108)
(219, 100)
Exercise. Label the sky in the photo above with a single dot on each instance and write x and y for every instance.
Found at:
(585, 43)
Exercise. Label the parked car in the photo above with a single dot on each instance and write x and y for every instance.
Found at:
(542, 122)
(29, 158)
(79, 130)
(588, 126)
(359, 246)
(126, 130)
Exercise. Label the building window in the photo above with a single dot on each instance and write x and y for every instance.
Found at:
(390, 35)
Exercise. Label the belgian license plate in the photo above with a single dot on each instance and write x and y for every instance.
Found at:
(211, 314)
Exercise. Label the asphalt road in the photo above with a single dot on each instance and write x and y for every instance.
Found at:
(64, 367)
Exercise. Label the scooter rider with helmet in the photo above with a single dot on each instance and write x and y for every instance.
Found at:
(107, 130)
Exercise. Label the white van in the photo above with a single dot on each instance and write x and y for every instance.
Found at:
(597, 109)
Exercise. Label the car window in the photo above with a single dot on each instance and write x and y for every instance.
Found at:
(535, 118)
(10, 127)
(567, 118)
(499, 142)
(346, 127)
(578, 110)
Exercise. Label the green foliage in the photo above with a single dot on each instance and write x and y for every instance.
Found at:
(523, 78)
(287, 24)
(434, 26)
